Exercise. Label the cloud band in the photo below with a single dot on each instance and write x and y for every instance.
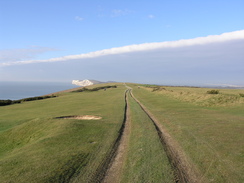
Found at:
(236, 35)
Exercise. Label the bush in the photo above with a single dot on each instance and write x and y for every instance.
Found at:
(213, 92)
(81, 90)
(158, 88)
(241, 94)
(9, 102)
(5, 102)
(155, 88)
(34, 98)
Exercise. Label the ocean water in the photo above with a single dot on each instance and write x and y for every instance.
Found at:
(19, 90)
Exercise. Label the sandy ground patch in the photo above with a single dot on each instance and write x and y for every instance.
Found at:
(84, 117)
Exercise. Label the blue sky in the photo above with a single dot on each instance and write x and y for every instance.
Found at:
(44, 40)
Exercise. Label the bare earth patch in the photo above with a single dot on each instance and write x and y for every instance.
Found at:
(84, 117)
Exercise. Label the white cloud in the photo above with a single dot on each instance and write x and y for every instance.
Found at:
(236, 35)
(14, 55)
(79, 18)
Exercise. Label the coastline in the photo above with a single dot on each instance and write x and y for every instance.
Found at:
(20, 90)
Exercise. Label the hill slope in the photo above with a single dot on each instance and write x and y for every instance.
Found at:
(35, 146)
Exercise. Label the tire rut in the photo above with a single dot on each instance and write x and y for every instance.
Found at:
(115, 169)
(109, 168)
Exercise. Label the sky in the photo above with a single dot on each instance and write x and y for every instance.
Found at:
(158, 41)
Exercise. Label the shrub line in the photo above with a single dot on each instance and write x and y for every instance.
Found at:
(84, 89)
(10, 102)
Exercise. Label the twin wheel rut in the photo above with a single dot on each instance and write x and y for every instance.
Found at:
(111, 169)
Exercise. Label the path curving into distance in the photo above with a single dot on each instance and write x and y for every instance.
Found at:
(126, 157)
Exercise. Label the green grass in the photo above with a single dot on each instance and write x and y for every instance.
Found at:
(36, 147)
(212, 137)
(200, 96)
(146, 160)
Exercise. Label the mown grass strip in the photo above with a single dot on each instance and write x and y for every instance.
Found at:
(146, 160)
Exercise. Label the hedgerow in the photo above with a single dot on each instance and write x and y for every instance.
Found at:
(84, 89)
(9, 102)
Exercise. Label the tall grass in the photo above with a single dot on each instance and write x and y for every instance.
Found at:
(201, 96)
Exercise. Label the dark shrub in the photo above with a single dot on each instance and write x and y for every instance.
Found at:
(155, 88)
(5, 102)
(213, 92)
(9, 102)
(95, 89)
(241, 94)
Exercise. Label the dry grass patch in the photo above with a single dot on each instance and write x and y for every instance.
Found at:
(201, 96)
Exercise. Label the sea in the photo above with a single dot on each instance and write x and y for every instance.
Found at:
(19, 90)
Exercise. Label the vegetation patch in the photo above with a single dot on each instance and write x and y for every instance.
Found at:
(241, 94)
(200, 96)
(213, 92)
(84, 89)
(9, 102)
(157, 88)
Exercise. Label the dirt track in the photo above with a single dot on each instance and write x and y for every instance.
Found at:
(114, 172)
(111, 169)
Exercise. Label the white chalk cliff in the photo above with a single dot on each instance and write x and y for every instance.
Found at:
(85, 82)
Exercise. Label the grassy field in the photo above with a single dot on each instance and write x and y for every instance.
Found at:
(36, 147)
(209, 129)
(199, 96)
(146, 160)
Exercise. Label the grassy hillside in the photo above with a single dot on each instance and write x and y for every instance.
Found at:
(36, 147)
(201, 96)
(211, 135)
